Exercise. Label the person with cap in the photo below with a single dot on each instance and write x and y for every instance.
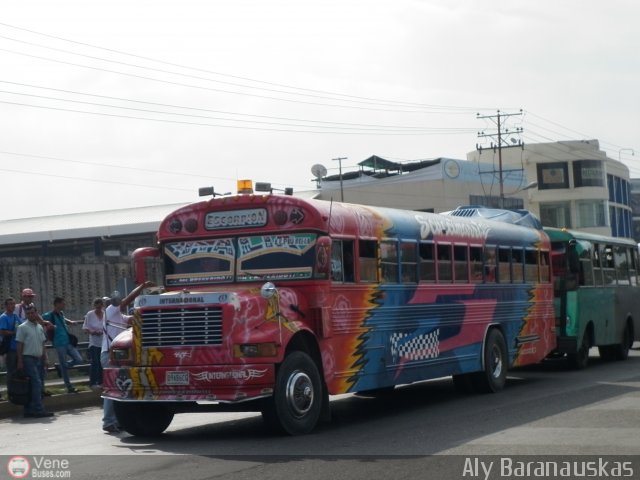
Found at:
(116, 321)
(62, 341)
(94, 326)
(26, 298)
(31, 354)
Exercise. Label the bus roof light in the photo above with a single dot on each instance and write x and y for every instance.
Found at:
(245, 186)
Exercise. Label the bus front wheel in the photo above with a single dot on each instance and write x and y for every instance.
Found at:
(296, 404)
(143, 419)
(494, 375)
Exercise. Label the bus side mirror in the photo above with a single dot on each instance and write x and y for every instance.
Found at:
(139, 259)
(323, 257)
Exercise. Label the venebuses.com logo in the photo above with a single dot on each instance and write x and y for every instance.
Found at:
(18, 467)
(38, 467)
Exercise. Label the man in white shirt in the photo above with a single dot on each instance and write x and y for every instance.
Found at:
(116, 321)
(94, 326)
(30, 338)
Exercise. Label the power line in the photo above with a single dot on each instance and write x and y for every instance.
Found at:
(173, 173)
(200, 109)
(355, 127)
(113, 115)
(84, 179)
(197, 77)
(186, 67)
(218, 90)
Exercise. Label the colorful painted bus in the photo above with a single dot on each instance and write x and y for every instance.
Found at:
(272, 303)
(597, 295)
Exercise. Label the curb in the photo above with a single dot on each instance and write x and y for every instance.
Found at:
(55, 403)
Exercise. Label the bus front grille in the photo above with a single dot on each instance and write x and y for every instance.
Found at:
(188, 326)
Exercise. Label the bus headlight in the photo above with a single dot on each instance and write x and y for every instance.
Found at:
(120, 356)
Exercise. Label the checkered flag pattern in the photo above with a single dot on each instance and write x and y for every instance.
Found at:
(409, 347)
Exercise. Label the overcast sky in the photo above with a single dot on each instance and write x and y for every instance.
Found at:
(113, 104)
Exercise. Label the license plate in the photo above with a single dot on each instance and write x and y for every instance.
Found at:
(177, 378)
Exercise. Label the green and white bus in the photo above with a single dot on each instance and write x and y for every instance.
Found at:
(597, 296)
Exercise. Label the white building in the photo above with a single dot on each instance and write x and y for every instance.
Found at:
(578, 186)
(569, 184)
(434, 185)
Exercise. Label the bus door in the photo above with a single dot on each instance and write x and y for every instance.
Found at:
(565, 265)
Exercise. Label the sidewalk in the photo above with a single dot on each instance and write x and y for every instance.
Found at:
(55, 403)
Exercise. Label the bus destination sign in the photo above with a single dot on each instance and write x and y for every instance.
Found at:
(255, 217)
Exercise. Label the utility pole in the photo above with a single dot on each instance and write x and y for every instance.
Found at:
(339, 160)
(500, 144)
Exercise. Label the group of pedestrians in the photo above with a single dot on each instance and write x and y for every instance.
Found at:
(29, 331)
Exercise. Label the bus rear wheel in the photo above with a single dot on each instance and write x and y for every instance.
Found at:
(143, 419)
(580, 359)
(621, 351)
(494, 375)
(297, 398)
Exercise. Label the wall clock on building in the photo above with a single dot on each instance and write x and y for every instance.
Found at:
(451, 168)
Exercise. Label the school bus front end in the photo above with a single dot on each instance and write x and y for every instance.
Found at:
(190, 351)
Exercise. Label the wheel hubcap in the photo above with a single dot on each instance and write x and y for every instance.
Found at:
(496, 361)
(299, 393)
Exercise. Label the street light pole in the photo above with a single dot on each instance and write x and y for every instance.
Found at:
(499, 145)
(339, 159)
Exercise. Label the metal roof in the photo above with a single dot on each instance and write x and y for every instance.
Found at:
(105, 223)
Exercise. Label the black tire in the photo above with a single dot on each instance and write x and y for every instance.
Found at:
(496, 362)
(621, 351)
(143, 419)
(296, 404)
(580, 359)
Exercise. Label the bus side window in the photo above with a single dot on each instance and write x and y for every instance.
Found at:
(545, 276)
(427, 262)
(531, 266)
(337, 272)
(368, 260)
(490, 265)
(608, 265)
(586, 268)
(621, 264)
(597, 264)
(633, 266)
(504, 265)
(444, 263)
(460, 264)
(389, 261)
(348, 261)
(517, 264)
(475, 257)
(408, 262)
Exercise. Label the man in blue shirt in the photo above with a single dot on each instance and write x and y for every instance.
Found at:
(9, 322)
(61, 341)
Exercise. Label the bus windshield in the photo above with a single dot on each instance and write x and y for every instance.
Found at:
(288, 256)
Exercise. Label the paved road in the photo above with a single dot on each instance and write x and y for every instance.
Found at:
(545, 410)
